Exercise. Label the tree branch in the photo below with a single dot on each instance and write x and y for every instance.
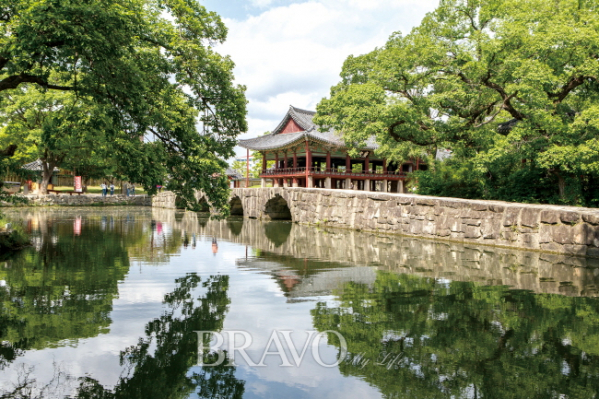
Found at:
(12, 82)
(507, 105)
(573, 83)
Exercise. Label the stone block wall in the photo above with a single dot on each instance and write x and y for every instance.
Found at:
(165, 199)
(86, 200)
(566, 230)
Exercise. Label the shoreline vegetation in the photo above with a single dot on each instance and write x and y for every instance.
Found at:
(12, 239)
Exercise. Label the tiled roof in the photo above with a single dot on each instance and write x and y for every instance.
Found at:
(506, 127)
(233, 174)
(303, 118)
(35, 166)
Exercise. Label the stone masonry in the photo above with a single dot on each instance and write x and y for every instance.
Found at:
(567, 230)
(85, 200)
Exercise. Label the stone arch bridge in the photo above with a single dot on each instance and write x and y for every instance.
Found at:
(550, 228)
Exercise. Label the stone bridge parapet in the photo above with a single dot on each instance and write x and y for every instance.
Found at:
(560, 229)
(551, 228)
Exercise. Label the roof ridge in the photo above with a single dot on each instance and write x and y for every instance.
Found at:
(302, 110)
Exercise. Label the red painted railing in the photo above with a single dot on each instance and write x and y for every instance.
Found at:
(280, 172)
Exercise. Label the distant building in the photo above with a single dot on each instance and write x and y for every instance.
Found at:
(305, 157)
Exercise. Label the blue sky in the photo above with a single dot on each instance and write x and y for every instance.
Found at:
(290, 52)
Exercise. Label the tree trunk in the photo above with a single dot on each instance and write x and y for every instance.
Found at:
(47, 170)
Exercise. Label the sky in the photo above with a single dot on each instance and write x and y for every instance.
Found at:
(290, 52)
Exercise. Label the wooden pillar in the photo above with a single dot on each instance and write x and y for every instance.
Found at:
(347, 163)
(328, 161)
(295, 159)
(247, 170)
(417, 163)
(285, 161)
(385, 167)
(367, 164)
(264, 162)
(308, 162)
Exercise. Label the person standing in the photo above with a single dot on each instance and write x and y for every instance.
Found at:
(133, 189)
(111, 189)
(103, 186)
(127, 188)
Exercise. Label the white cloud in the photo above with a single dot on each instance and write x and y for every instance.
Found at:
(293, 54)
(261, 3)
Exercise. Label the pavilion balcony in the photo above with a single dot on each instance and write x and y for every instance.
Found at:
(336, 173)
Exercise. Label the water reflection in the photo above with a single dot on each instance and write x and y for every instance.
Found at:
(422, 337)
(422, 319)
(62, 289)
(277, 232)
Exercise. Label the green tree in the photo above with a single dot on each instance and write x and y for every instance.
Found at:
(500, 82)
(150, 66)
(60, 129)
(239, 167)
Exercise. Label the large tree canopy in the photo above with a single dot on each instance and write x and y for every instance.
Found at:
(470, 66)
(151, 66)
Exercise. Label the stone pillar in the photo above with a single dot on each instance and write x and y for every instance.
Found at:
(285, 183)
(263, 182)
(348, 184)
(400, 186)
(367, 185)
(327, 183)
(384, 188)
(310, 182)
(275, 182)
(295, 184)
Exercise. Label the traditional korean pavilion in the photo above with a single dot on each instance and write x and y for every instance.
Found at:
(305, 157)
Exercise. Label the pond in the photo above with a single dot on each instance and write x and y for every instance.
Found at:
(129, 302)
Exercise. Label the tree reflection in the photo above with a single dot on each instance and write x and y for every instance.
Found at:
(166, 371)
(62, 289)
(419, 337)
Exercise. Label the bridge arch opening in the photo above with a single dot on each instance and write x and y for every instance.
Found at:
(203, 205)
(277, 208)
(236, 206)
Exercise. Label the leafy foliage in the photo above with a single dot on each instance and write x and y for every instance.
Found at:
(150, 71)
(506, 82)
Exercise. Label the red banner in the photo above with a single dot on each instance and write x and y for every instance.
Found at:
(78, 186)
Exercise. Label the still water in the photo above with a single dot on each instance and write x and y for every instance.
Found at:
(106, 304)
